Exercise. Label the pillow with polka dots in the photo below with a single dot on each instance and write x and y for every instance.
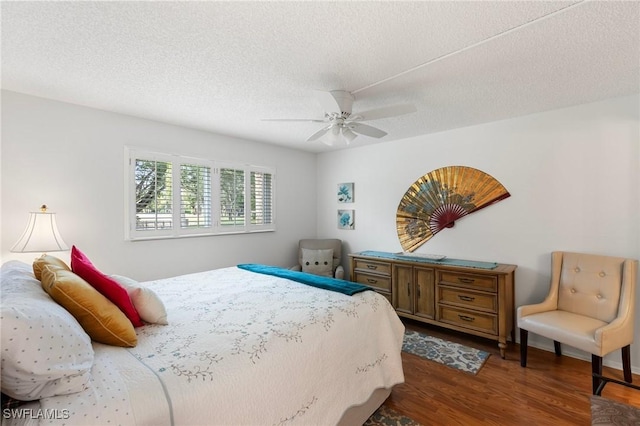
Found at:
(44, 351)
(317, 262)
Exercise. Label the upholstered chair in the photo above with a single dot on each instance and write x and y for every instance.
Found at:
(590, 306)
(320, 257)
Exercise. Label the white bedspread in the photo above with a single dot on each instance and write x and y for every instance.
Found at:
(244, 349)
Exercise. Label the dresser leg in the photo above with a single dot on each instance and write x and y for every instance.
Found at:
(503, 347)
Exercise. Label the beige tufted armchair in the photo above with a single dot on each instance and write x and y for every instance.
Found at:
(590, 306)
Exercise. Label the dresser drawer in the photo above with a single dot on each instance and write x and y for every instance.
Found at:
(464, 298)
(479, 282)
(383, 268)
(479, 321)
(376, 281)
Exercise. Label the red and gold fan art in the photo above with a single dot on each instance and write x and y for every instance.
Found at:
(439, 198)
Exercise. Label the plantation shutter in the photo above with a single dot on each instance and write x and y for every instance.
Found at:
(195, 196)
(261, 198)
(174, 196)
(232, 191)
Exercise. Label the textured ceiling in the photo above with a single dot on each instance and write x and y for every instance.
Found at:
(224, 66)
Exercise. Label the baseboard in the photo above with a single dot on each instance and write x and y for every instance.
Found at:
(609, 360)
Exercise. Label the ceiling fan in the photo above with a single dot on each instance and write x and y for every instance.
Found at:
(341, 122)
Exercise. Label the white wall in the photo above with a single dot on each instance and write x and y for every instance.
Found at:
(71, 158)
(573, 175)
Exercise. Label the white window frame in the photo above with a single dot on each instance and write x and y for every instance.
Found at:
(216, 228)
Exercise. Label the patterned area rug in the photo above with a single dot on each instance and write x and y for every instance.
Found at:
(450, 354)
(607, 412)
(386, 416)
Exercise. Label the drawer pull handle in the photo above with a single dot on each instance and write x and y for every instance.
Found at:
(466, 318)
(374, 267)
(466, 280)
(466, 298)
(371, 281)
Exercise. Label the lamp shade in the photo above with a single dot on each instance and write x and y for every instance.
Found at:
(40, 235)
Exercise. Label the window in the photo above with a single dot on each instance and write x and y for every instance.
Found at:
(173, 196)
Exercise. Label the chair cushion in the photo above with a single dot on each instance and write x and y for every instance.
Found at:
(318, 262)
(322, 244)
(590, 285)
(566, 327)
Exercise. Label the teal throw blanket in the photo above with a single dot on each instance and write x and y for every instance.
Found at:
(327, 283)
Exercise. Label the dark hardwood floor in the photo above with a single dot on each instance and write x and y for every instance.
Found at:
(549, 391)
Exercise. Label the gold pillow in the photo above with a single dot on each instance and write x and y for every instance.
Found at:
(103, 321)
(44, 260)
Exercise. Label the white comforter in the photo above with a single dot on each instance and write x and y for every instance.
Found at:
(243, 349)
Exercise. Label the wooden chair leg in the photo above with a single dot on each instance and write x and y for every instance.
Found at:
(626, 363)
(596, 372)
(524, 335)
(557, 348)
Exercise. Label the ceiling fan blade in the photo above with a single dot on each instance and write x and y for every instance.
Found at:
(385, 112)
(335, 101)
(312, 120)
(367, 130)
(318, 134)
(327, 101)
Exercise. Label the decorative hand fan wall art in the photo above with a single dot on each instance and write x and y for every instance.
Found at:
(439, 198)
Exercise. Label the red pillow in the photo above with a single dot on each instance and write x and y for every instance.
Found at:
(109, 288)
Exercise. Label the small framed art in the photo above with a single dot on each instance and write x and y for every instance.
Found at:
(346, 219)
(345, 192)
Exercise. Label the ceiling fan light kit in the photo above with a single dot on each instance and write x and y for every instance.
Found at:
(348, 134)
(341, 124)
(337, 133)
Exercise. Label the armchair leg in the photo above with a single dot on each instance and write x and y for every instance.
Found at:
(596, 372)
(626, 363)
(524, 335)
(557, 348)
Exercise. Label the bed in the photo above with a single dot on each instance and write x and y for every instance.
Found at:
(240, 348)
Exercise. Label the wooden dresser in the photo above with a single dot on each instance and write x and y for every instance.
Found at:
(471, 297)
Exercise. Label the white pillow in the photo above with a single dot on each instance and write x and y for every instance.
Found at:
(146, 301)
(318, 262)
(45, 351)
